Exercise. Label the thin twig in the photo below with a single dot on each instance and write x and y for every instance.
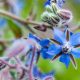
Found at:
(6, 41)
(74, 28)
(22, 21)
(21, 64)
(5, 62)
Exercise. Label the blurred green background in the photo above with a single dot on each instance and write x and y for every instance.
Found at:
(13, 30)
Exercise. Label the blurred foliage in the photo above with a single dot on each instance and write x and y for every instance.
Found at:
(14, 30)
(74, 6)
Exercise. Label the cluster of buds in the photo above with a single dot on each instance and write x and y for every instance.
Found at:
(54, 15)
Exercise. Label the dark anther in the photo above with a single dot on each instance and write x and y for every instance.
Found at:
(65, 50)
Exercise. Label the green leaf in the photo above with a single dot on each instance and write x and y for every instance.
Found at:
(15, 28)
(45, 65)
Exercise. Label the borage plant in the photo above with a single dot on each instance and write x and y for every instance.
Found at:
(26, 52)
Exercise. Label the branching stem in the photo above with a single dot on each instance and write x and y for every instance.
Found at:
(22, 21)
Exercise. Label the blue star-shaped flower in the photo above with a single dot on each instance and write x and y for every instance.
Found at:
(66, 46)
(58, 2)
(44, 43)
(41, 75)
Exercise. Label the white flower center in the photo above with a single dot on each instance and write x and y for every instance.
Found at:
(66, 48)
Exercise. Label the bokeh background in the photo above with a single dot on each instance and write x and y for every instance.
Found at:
(10, 30)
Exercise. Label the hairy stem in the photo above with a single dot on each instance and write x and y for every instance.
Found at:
(21, 64)
(5, 62)
(31, 65)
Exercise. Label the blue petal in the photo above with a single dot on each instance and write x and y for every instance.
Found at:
(54, 49)
(59, 36)
(16, 7)
(2, 22)
(38, 74)
(48, 74)
(46, 55)
(35, 71)
(71, 33)
(34, 37)
(65, 59)
(76, 52)
(47, 3)
(75, 39)
(60, 3)
(28, 59)
(44, 42)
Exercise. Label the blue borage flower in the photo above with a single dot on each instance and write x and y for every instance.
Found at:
(2, 22)
(41, 75)
(44, 43)
(26, 46)
(16, 6)
(58, 2)
(66, 46)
